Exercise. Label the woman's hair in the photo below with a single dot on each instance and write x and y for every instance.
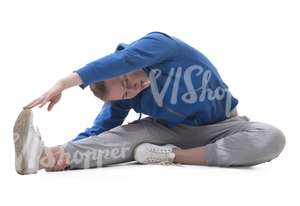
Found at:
(99, 89)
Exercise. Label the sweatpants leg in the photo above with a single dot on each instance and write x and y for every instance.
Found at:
(117, 145)
(233, 142)
(254, 144)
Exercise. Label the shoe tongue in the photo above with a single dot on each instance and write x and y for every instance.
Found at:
(38, 132)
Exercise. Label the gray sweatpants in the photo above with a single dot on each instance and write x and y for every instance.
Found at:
(236, 141)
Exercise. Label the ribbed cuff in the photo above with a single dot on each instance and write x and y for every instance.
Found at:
(211, 154)
(83, 85)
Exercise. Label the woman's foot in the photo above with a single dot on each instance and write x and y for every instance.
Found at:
(28, 144)
(147, 153)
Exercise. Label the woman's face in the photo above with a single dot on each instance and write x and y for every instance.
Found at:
(126, 86)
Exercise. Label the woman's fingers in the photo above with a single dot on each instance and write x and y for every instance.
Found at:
(41, 101)
(34, 103)
(51, 95)
(46, 99)
(51, 105)
(53, 101)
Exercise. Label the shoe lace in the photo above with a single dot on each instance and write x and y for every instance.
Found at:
(162, 160)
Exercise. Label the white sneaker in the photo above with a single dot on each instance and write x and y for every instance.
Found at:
(147, 153)
(28, 144)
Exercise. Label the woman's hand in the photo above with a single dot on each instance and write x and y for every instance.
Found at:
(53, 96)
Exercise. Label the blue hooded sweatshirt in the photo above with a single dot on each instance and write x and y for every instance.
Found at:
(185, 86)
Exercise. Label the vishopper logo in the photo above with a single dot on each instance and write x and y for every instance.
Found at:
(96, 158)
(193, 94)
(88, 158)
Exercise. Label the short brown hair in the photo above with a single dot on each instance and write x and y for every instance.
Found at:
(99, 89)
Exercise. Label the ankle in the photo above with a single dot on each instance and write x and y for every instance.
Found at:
(43, 157)
(48, 159)
(177, 152)
(54, 159)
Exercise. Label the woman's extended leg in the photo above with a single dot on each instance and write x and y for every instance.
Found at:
(110, 147)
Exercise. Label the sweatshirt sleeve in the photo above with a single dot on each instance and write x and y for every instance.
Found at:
(153, 48)
(111, 115)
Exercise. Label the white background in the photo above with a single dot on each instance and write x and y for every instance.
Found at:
(254, 44)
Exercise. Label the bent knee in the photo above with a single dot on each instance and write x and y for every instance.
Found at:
(258, 144)
(276, 141)
(269, 142)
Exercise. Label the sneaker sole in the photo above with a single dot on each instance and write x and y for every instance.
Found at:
(20, 137)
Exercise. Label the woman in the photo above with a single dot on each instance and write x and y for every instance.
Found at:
(192, 116)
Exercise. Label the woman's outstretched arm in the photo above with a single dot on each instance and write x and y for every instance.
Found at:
(53, 95)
